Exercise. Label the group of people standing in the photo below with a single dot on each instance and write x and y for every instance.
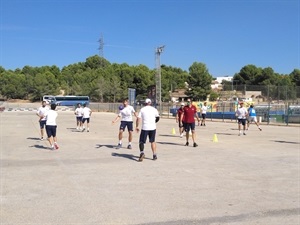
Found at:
(83, 114)
(148, 116)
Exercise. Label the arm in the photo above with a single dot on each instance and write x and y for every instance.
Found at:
(116, 119)
(137, 123)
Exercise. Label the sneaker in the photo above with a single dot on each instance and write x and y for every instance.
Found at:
(88, 131)
(56, 146)
(195, 144)
(119, 146)
(260, 129)
(204, 125)
(239, 134)
(154, 157)
(244, 133)
(142, 156)
(42, 138)
(82, 129)
(201, 124)
(129, 147)
(186, 144)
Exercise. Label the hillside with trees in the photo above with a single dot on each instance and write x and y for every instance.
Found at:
(109, 82)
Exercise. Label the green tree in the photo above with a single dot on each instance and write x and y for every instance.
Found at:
(199, 82)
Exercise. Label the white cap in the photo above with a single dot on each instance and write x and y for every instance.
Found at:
(148, 100)
(182, 103)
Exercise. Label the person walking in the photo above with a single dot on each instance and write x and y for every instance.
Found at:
(189, 113)
(51, 127)
(203, 113)
(252, 117)
(178, 115)
(241, 113)
(42, 119)
(126, 121)
(86, 115)
(79, 113)
(149, 116)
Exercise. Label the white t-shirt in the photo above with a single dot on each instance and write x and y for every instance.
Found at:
(86, 112)
(203, 109)
(126, 113)
(148, 115)
(51, 116)
(241, 113)
(78, 112)
(42, 111)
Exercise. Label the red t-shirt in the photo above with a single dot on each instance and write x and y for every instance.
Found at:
(189, 113)
(180, 112)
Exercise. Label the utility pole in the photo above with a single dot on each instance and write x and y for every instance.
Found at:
(158, 51)
(101, 45)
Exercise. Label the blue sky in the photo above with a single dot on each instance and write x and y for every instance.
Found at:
(223, 34)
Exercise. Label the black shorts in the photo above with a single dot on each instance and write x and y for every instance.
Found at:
(128, 124)
(147, 133)
(78, 118)
(203, 115)
(181, 124)
(189, 126)
(86, 119)
(51, 131)
(42, 123)
(242, 121)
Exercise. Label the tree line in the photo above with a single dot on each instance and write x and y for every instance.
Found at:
(109, 82)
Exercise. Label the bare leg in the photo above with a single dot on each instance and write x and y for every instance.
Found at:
(153, 147)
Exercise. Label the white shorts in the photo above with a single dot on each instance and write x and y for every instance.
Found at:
(252, 119)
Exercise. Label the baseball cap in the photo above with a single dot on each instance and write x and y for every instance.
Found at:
(148, 100)
(182, 103)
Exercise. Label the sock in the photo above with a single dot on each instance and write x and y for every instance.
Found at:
(129, 143)
(141, 145)
(120, 142)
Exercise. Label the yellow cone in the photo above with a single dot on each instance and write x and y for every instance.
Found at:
(215, 138)
(173, 131)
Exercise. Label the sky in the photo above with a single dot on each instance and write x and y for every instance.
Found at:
(225, 35)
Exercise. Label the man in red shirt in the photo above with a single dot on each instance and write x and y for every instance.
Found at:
(178, 115)
(189, 113)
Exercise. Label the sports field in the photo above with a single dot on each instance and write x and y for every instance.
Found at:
(242, 180)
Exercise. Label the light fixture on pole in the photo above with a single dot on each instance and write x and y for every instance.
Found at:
(158, 51)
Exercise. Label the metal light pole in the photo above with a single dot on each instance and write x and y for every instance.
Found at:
(158, 51)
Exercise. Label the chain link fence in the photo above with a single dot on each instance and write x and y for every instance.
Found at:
(273, 104)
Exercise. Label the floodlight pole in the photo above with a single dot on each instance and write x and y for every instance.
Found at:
(158, 51)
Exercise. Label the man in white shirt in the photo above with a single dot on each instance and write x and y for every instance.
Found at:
(78, 112)
(241, 113)
(42, 119)
(126, 121)
(51, 126)
(203, 113)
(149, 117)
(86, 114)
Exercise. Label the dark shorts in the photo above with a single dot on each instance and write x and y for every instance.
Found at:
(147, 133)
(128, 124)
(51, 131)
(42, 123)
(203, 115)
(86, 119)
(78, 118)
(181, 124)
(189, 126)
(242, 121)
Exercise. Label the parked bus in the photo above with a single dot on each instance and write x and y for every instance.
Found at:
(67, 100)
